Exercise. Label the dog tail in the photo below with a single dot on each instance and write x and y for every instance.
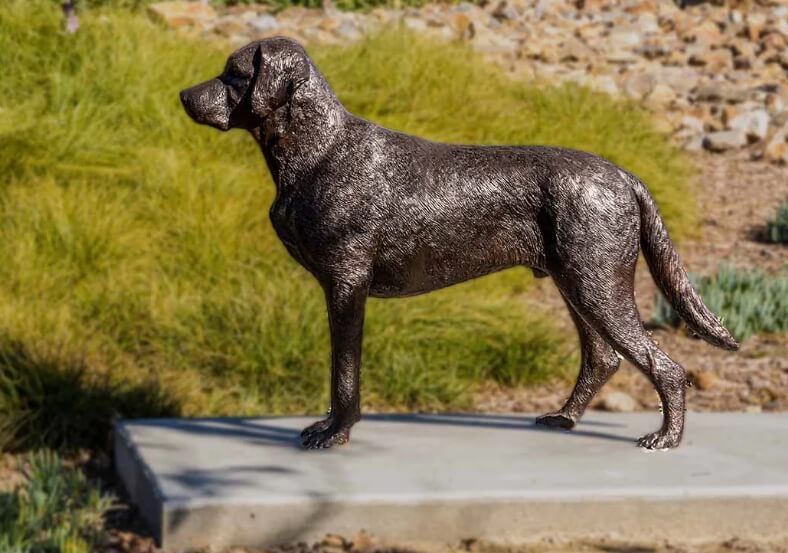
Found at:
(670, 276)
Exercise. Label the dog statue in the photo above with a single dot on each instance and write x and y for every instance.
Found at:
(373, 212)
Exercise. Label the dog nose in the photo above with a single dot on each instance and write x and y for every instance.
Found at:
(183, 97)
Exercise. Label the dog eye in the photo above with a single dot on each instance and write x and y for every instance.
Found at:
(233, 96)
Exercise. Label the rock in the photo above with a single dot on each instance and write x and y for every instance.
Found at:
(647, 23)
(703, 380)
(729, 113)
(681, 79)
(264, 23)
(363, 542)
(721, 141)
(462, 25)
(754, 124)
(181, 14)
(755, 24)
(661, 96)
(777, 149)
(640, 84)
(604, 83)
(694, 144)
(348, 30)
(773, 41)
(648, 7)
(653, 49)
(706, 33)
(335, 541)
(780, 119)
(742, 62)
(618, 402)
(504, 11)
(712, 60)
(487, 41)
(574, 50)
(621, 56)
(774, 103)
(621, 39)
(229, 26)
(692, 124)
(718, 91)
(415, 24)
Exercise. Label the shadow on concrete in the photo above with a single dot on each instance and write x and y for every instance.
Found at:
(244, 428)
(511, 422)
(211, 481)
(259, 432)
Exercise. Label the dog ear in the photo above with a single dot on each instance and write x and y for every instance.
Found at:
(277, 77)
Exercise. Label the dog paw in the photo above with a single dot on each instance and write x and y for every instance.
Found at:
(324, 434)
(659, 441)
(556, 420)
(319, 426)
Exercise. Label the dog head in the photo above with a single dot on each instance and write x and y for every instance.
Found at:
(257, 80)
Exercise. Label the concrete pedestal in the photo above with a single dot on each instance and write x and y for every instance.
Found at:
(219, 482)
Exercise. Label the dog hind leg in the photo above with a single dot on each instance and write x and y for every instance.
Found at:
(599, 362)
(614, 315)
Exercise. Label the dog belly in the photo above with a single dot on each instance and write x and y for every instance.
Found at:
(388, 288)
(409, 275)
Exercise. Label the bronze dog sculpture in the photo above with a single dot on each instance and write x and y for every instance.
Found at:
(373, 212)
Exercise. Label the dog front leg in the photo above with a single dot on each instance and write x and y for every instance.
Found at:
(346, 304)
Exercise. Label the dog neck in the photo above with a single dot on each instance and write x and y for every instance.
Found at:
(297, 136)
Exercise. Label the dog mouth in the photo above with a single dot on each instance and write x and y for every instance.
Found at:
(207, 104)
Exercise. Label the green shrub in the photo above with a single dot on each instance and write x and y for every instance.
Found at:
(137, 255)
(777, 228)
(748, 302)
(53, 510)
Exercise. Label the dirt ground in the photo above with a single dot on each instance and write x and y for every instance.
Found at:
(735, 197)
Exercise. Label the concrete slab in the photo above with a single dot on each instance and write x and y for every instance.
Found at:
(445, 477)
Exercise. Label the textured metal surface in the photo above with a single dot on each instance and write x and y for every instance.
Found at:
(369, 211)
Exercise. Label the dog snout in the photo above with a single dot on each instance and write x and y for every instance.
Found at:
(206, 103)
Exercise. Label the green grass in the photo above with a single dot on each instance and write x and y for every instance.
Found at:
(777, 227)
(138, 270)
(53, 510)
(749, 302)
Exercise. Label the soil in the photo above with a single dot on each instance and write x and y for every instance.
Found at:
(736, 197)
